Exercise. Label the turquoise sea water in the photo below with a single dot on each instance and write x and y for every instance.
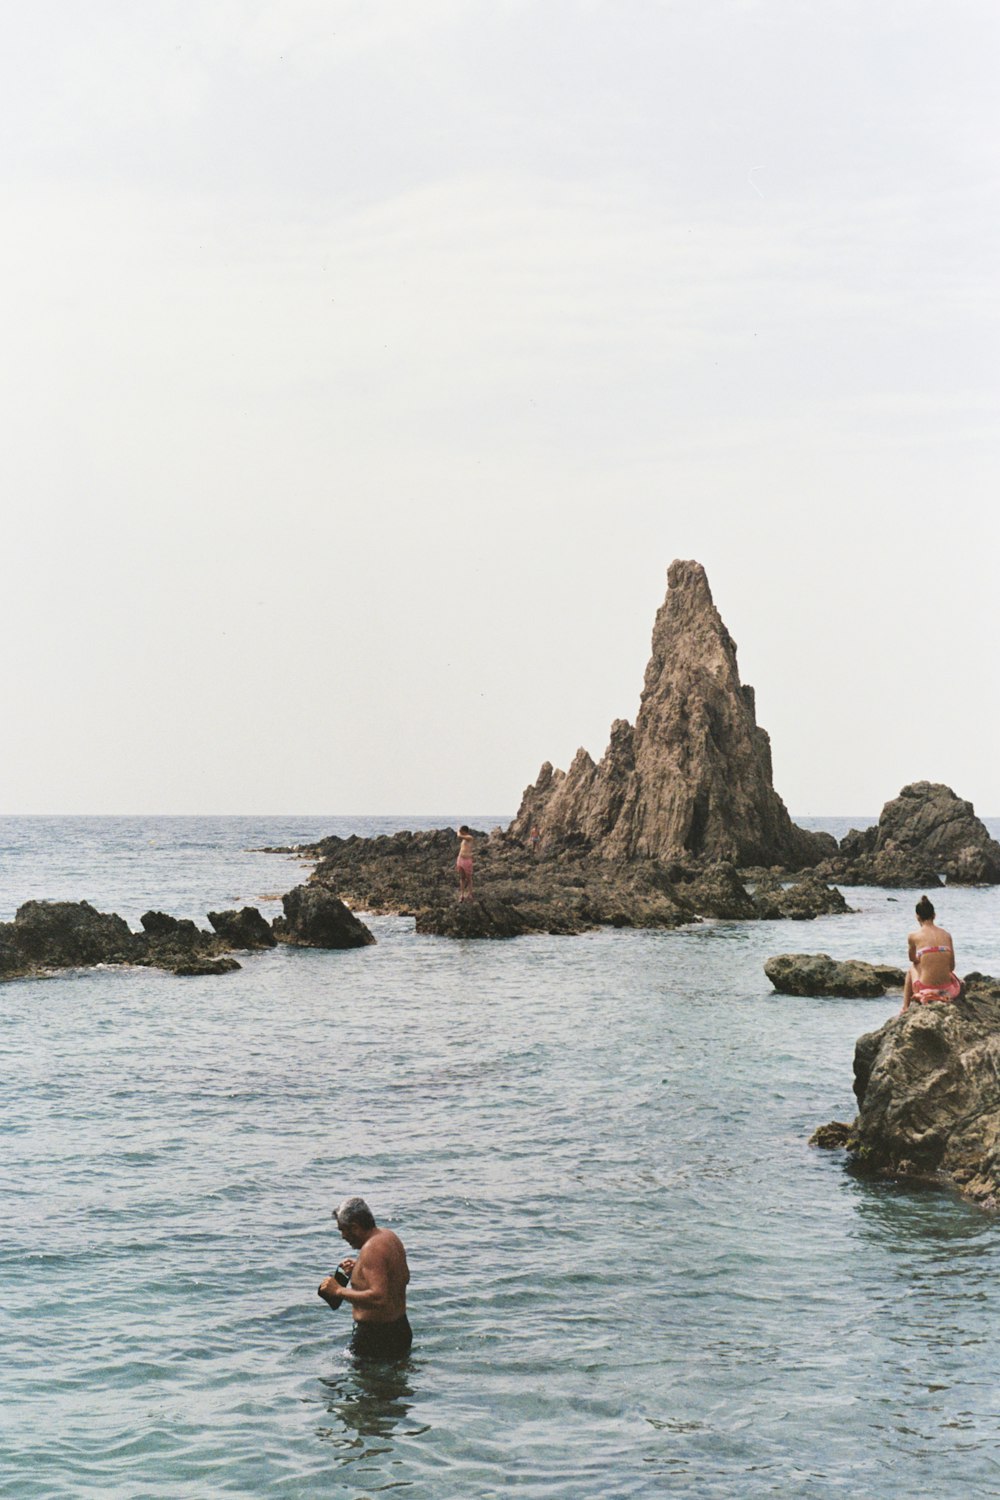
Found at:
(631, 1275)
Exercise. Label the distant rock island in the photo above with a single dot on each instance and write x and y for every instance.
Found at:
(678, 821)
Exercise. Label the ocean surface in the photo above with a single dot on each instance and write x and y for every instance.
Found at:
(632, 1277)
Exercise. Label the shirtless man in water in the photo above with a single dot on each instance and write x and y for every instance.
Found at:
(931, 975)
(463, 863)
(379, 1277)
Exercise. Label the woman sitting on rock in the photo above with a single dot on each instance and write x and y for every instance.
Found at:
(931, 975)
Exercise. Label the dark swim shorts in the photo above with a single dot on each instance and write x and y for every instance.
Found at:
(382, 1340)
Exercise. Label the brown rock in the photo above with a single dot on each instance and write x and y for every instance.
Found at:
(693, 777)
(928, 1090)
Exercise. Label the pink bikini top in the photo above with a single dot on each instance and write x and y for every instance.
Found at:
(937, 948)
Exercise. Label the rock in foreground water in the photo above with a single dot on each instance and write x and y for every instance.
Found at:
(819, 974)
(928, 1090)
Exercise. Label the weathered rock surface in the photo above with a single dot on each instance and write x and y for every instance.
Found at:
(473, 919)
(928, 1090)
(315, 918)
(68, 934)
(693, 776)
(48, 935)
(819, 974)
(924, 833)
(245, 928)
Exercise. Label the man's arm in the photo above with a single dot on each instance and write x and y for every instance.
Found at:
(374, 1297)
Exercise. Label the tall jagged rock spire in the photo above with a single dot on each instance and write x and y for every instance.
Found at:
(693, 777)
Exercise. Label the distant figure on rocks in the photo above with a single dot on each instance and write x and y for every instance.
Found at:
(463, 863)
(931, 975)
(378, 1280)
(534, 838)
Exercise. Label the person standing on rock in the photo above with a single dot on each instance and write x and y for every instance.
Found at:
(378, 1280)
(931, 975)
(463, 863)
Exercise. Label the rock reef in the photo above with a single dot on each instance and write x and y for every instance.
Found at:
(47, 935)
(927, 1085)
(692, 777)
(560, 891)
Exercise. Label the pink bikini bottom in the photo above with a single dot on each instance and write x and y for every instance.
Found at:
(924, 992)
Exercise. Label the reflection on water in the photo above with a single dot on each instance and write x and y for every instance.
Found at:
(369, 1401)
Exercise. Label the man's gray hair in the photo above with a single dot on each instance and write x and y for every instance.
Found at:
(355, 1211)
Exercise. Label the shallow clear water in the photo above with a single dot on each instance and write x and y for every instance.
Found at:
(631, 1275)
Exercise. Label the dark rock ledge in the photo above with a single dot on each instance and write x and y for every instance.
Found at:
(927, 1085)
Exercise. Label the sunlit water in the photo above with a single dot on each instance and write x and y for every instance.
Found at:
(631, 1274)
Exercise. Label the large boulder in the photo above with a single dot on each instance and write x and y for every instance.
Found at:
(928, 1090)
(316, 918)
(819, 974)
(68, 934)
(924, 833)
(693, 775)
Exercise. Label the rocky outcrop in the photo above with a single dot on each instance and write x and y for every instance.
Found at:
(315, 918)
(68, 935)
(819, 974)
(693, 777)
(563, 891)
(46, 935)
(800, 901)
(244, 929)
(923, 834)
(928, 1090)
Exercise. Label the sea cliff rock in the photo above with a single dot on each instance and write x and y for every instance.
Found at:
(315, 918)
(693, 777)
(819, 974)
(928, 1090)
(924, 833)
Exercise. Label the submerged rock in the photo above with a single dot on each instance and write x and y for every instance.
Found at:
(928, 1090)
(819, 974)
(315, 918)
(693, 776)
(193, 966)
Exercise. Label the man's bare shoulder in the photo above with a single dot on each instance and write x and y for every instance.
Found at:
(382, 1243)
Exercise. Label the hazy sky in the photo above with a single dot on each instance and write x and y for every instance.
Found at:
(366, 363)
